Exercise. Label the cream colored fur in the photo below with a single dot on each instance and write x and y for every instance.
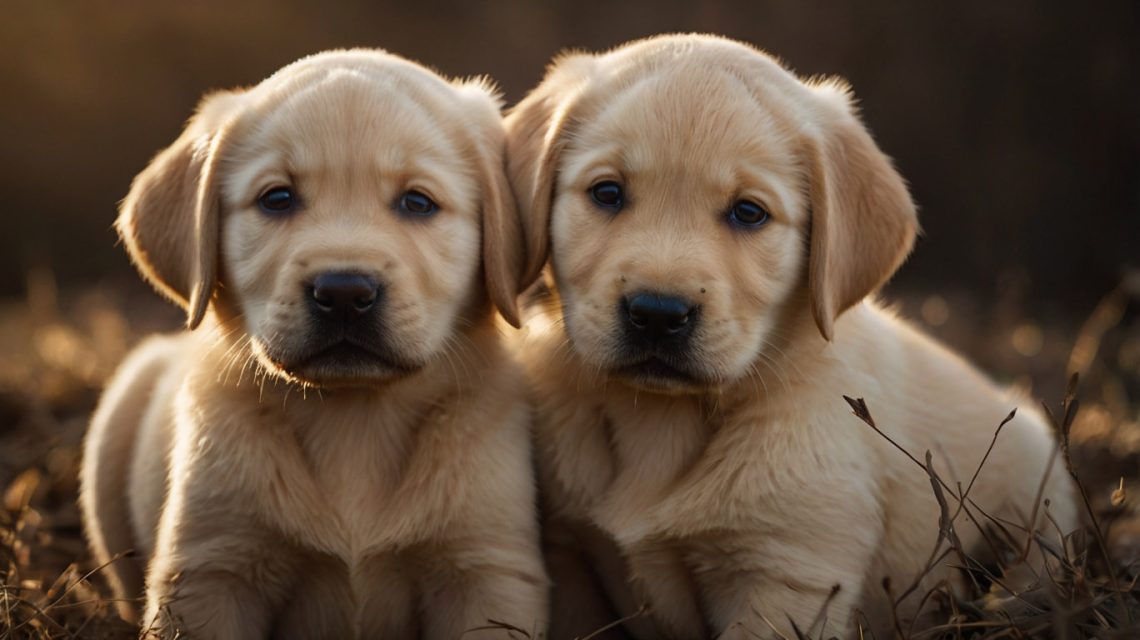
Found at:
(260, 498)
(731, 504)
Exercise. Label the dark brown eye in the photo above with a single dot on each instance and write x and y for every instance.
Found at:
(746, 213)
(414, 203)
(608, 195)
(278, 201)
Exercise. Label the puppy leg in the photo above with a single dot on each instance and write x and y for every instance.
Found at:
(578, 604)
(231, 595)
(471, 582)
(660, 579)
(762, 595)
(107, 454)
(216, 572)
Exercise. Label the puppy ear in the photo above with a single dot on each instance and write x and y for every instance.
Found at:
(863, 222)
(535, 138)
(502, 230)
(169, 220)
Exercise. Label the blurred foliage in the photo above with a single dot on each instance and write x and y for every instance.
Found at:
(58, 351)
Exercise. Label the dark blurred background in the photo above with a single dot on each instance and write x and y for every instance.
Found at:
(1017, 123)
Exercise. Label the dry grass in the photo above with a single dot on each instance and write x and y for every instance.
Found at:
(1076, 590)
(53, 370)
(57, 356)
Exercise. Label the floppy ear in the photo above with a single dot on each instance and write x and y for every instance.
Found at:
(502, 232)
(535, 139)
(863, 222)
(169, 220)
(502, 239)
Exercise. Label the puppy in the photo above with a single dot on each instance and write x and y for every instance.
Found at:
(713, 226)
(341, 448)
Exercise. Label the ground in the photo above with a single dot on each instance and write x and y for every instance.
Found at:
(58, 349)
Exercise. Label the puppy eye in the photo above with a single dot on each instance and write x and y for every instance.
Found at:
(278, 200)
(417, 204)
(746, 213)
(608, 194)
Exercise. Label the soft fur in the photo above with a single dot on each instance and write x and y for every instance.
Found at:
(366, 497)
(731, 500)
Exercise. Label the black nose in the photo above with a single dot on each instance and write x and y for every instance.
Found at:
(344, 296)
(659, 316)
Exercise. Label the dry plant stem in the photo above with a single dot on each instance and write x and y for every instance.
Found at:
(620, 621)
(820, 619)
(1070, 406)
(84, 579)
(1104, 551)
(1037, 501)
(978, 470)
(39, 613)
(946, 529)
(894, 608)
(7, 607)
(771, 626)
(497, 624)
(861, 411)
(945, 524)
(948, 534)
(964, 495)
(942, 584)
(859, 408)
(864, 625)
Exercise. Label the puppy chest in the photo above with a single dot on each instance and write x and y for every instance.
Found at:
(359, 496)
(356, 467)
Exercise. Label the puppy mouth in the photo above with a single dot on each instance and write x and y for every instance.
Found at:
(347, 354)
(344, 362)
(660, 374)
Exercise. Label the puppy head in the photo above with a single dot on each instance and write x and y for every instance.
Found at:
(338, 213)
(685, 190)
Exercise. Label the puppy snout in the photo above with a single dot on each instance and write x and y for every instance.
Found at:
(344, 296)
(658, 316)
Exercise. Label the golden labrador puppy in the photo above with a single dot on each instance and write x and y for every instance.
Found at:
(713, 226)
(341, 449)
